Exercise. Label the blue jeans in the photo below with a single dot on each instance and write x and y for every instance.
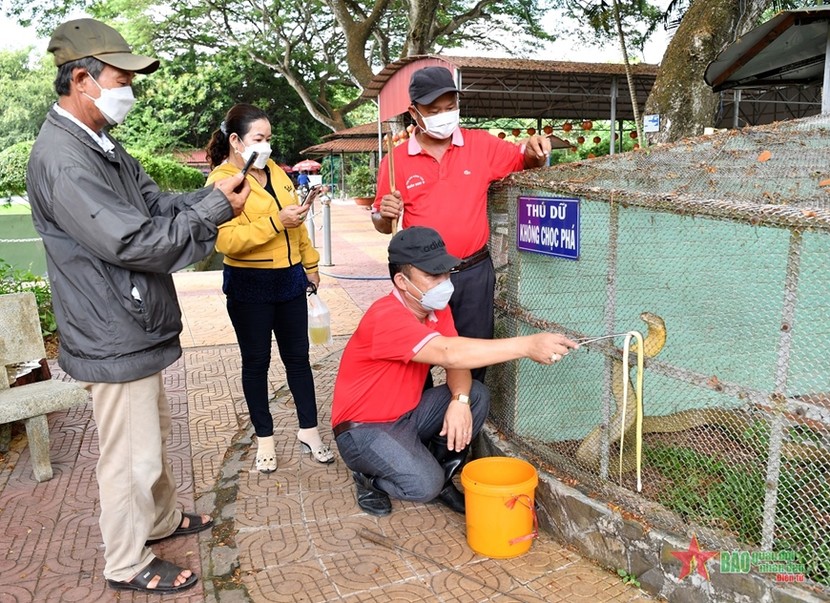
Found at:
(288, 321)
(396, 453)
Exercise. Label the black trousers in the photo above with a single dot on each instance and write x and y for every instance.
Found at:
(288, 321)
(472, 304)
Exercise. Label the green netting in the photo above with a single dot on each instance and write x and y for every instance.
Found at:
(731, 250)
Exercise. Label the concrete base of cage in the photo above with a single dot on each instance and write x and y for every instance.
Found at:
(618, 540)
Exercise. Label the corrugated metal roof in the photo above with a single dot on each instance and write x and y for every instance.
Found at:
(521, 88)
(788, 49)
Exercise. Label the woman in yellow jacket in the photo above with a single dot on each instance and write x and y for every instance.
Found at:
(269, 264)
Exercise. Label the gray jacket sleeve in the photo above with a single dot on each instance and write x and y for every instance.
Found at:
(156, 233)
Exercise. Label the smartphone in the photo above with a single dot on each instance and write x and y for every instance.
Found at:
(245, 169)
(308, 194)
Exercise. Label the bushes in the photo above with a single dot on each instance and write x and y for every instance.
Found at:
(13, 162)
(19, 281)
(361, 181)
(168, 173)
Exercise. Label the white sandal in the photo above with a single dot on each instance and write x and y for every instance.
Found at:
(323, 454)
(266, 457)
(320, 452)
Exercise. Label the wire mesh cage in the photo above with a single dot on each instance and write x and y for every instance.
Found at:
(718, 251)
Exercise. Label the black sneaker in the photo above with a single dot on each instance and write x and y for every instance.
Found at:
(369, 498)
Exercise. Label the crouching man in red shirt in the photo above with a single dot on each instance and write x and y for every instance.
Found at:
(399, 440)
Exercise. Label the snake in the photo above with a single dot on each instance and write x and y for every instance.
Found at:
(588, 452)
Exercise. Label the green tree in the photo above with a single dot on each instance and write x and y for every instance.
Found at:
(680, 96)
(326, 50)
(704, 28)
(13, 162)
(27, 95)
(182, 103)
(639, 20)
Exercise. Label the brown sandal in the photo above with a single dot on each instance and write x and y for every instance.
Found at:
(195, 525)
(168, 572)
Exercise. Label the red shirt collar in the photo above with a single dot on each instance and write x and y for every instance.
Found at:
(415, 148)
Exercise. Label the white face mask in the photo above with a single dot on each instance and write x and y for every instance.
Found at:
(263, 151)
(441, 126)
(113, 103)
(436, 298)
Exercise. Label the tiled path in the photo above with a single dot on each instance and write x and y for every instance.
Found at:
(294, 535)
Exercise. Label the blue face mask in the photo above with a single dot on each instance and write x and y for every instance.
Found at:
(436, 298)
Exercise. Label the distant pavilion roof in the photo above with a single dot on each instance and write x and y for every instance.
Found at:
(366, 144)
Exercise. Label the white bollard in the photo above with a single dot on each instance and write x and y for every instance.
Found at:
(325, 202)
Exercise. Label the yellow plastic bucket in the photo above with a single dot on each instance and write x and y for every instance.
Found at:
(499, 497)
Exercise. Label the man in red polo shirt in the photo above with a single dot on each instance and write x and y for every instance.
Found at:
(399, 439)
(442, 175)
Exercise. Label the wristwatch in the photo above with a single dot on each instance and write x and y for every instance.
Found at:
(463, 398)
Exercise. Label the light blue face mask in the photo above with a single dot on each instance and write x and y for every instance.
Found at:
(436, 298)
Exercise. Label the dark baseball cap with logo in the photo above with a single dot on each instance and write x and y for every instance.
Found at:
(423, 248)
(429, 83)
(83, 38)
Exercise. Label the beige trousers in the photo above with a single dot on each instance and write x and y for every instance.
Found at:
(135, 478)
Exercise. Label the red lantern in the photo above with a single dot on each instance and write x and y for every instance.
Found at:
(516, 132)
(636, 146)
(531, 131)
(501, 134)
(633, 134)
(580, 139)
(587, 125)
(547, 129)
(573, 149)
(597, 140)
(591, 155)
(567, 126)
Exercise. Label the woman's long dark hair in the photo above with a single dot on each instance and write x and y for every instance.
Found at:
(238, 120)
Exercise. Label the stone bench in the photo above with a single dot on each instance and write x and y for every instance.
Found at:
(21, 341)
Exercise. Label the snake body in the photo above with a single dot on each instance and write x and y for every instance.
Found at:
(735, 423)
(588, 452)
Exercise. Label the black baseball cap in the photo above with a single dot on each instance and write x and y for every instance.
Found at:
(429, 83)
(423, 248)
(83, 38)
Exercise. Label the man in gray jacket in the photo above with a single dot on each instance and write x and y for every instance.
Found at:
(112, 239)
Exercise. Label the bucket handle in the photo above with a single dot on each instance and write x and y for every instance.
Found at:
(525, 500)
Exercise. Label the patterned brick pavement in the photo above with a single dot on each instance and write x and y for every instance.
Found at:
(294, 535)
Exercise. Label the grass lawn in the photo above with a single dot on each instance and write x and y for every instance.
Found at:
(17, 207)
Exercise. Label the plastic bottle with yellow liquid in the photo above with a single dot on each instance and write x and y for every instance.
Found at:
(319, 320)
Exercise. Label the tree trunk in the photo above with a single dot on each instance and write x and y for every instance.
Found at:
(421, 24)
(680, 97)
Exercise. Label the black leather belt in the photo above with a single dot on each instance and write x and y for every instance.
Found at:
(344, 426)
(470, 261)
